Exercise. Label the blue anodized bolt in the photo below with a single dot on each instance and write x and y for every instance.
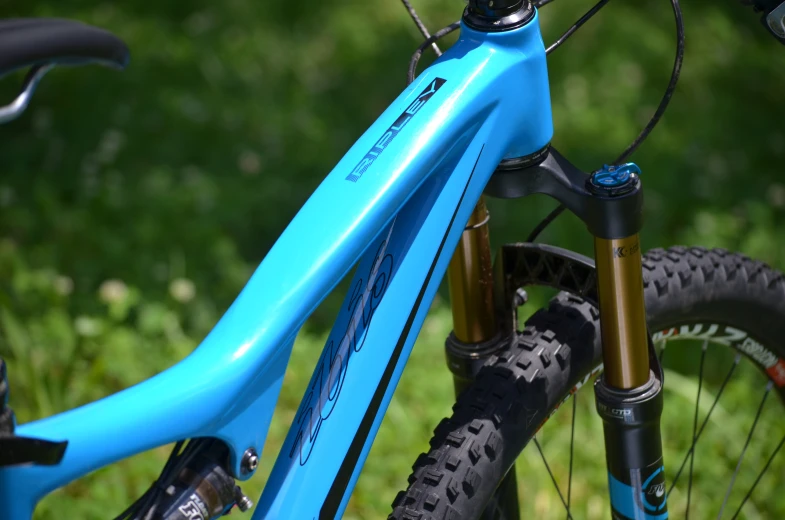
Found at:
(610, 176)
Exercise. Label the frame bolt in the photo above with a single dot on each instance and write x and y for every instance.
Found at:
(250, 461)
(243, 502)
(521, 297)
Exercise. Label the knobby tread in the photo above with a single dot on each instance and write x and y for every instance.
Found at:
(509, 398)
(714, 285)
(521, 385)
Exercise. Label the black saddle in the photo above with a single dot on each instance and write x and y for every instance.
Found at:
(35, 41)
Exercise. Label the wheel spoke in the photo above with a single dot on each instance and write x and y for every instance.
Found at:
(760, 475)
(744, 449)
(695, 426)
(705, 420)
(572, 446)
(553, 479)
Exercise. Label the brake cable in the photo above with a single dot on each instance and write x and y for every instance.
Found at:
(421, 26)
(582, 20)
(655, 118)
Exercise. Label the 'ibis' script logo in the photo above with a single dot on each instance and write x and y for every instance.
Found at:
(325, 387)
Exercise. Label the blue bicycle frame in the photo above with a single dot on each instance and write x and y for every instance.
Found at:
(395, 206)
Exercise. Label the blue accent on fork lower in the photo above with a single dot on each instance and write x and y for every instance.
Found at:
(623, 500)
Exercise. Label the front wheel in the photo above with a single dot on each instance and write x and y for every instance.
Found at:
(727, 313)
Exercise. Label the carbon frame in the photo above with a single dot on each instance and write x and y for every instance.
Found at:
(395, 206)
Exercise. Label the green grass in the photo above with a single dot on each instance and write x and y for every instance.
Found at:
(425, 395)
(716, 452)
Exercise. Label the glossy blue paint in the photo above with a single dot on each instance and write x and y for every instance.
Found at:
(400, 219)
(623, 500)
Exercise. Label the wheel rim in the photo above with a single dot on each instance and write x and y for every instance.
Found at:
(747, 430)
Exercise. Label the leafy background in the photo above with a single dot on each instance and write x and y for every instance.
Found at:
(135, 205)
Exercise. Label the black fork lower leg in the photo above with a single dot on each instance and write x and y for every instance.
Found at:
(636, 475)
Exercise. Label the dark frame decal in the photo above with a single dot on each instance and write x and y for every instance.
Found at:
(334, 497)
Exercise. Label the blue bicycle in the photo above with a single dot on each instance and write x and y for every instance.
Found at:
(405, 206)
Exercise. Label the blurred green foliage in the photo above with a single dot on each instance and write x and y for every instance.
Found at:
(134, 205)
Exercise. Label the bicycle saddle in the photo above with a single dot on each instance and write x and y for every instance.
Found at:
(37, 41)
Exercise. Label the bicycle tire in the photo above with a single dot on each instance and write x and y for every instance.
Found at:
(523, 384)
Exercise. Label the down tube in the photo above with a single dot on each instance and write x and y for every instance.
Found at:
(390, 295)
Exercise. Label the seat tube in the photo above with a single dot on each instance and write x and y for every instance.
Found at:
(629, 393)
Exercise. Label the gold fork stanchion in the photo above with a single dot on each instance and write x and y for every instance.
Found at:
(470, 277)
(622, 313)
(475, 327)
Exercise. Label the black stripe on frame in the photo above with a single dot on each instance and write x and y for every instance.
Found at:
(334, 497)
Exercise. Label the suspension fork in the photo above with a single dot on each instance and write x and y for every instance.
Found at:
(476, 331)
(629, 394)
